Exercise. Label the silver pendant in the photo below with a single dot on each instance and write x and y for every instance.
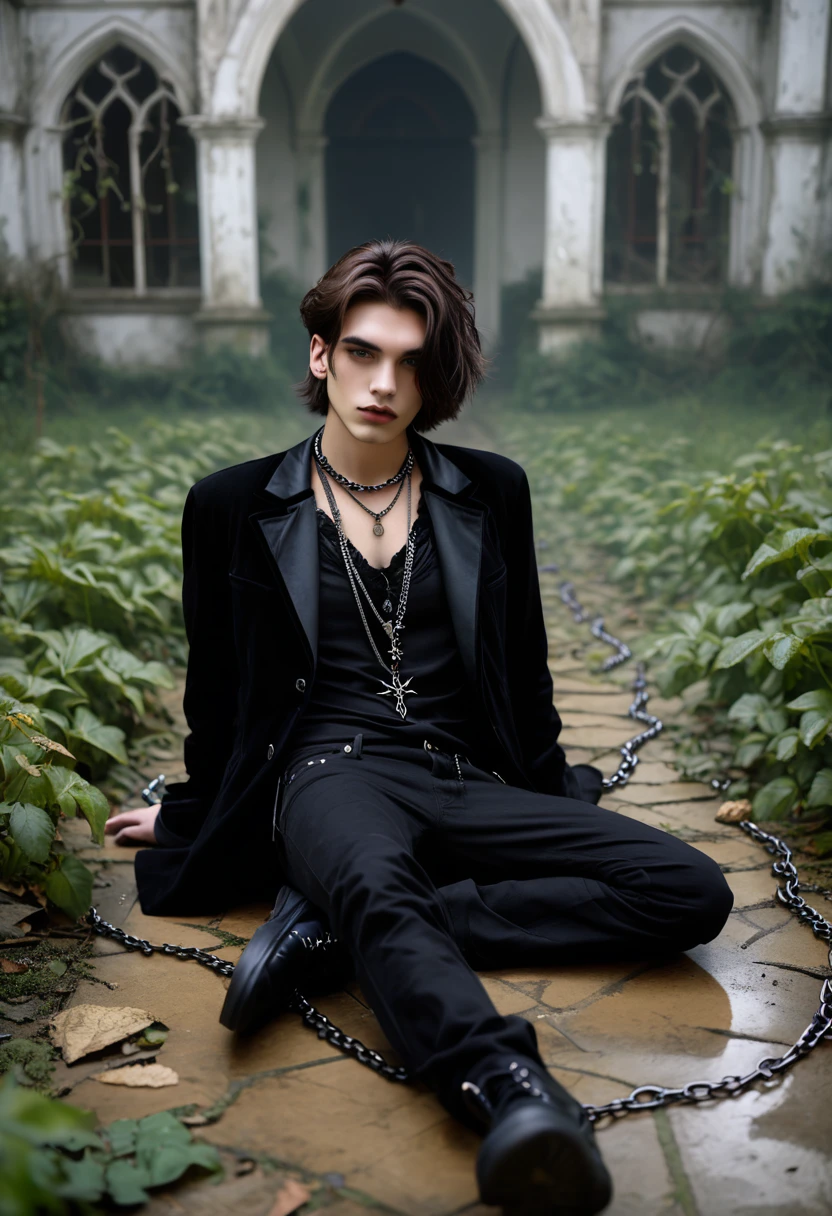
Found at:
(387, 626)
(386, 606)
(399, 691)
(378, 528)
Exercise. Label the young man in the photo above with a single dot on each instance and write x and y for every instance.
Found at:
(372, 727)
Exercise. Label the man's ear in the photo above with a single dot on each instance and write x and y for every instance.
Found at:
(318, 357)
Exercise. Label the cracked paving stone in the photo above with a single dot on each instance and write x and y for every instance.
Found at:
(674, 791)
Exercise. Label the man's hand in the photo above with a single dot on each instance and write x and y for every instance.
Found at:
(133, 826)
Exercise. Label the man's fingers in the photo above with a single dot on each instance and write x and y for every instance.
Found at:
(127, 835)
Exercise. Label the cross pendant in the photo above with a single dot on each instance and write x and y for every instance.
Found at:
(399, 690)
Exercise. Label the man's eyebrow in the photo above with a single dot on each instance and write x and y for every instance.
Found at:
(354, 340)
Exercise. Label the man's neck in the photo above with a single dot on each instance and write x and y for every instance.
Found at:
(367, 463)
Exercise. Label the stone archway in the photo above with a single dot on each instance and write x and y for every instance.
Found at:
(238, 72)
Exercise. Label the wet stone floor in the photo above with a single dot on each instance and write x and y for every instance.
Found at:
(286, 1103)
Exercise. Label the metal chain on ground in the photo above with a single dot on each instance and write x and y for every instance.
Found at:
(637, 710)
(651, 1097)
(644, 1097)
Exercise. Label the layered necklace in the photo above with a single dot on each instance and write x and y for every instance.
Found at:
(397, 478)
(393, 627)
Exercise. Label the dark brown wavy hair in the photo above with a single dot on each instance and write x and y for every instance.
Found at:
(403, 275)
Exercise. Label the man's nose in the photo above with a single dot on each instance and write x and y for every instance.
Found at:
(384, 379)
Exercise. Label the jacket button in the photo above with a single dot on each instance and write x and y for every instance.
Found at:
(270, 751)
(300, 684)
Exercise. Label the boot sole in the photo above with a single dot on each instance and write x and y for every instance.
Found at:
(536, 1162)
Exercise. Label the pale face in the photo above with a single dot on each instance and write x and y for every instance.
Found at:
(375, 362)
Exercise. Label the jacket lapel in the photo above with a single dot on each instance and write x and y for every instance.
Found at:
(290, 531)
(458, 531)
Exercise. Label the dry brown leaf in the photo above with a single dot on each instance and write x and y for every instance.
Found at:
(87, 1028)
(49, 745)
(291, 1196)
(733, 812)
(11, 968)
(139, 1076)
(32, 769)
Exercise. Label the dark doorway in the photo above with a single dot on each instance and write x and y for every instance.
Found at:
(400, 161)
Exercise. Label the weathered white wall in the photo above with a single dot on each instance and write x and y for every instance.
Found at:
(131, 339)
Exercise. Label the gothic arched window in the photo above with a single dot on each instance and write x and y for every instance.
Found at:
(129, 180)
(669, 180)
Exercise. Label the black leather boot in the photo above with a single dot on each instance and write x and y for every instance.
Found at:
(293, 949)
(539, 1156)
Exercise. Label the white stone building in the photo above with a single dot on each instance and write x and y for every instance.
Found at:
(644, 146)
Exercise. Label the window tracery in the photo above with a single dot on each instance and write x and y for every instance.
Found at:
(669, 181)
(129, 180)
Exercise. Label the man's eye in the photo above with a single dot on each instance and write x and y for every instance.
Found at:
(360, 352)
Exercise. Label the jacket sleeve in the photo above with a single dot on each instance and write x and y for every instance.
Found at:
(527, 652)
(212, 679)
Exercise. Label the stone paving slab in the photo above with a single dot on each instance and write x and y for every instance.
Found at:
(294, 1105)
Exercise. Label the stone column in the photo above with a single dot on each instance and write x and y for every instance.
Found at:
(798, 136)
(487, 234)
(232, 312)
(311, 203)
(12, 195)
(570, 308)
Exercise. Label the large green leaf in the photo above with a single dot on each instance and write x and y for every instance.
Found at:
(32, 830)
(813, 726)
(819, 698)
(83, 1180)
(781, 648)
(95, 807)
(775, 800)
(126, 1182)
(71, 649)
(795, 541)
(740, 648)
(820, 793)
(70, 886)
(89, 728)
(747, 708)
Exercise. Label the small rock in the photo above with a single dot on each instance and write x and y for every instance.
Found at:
(733, 812)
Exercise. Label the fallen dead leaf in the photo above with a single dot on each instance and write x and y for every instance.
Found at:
(87, 1028)
(733, 812)
(11, 968)
(139, 1076)
(50, 745)
(291, 1196)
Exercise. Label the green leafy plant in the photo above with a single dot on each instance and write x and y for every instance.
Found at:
(52, 1159)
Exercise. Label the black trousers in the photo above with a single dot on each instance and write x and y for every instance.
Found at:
(430, 868)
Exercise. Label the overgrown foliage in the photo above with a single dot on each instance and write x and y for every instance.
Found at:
(769, 348)
(736, 571)
(90, 628)
(52, 1159)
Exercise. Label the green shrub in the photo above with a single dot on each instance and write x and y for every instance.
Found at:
(52, 1159)
(771, 348)
(735, 570)
(90, 628)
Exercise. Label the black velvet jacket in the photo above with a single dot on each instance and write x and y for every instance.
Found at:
(250, 595)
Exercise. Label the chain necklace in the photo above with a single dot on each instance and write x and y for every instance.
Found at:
(378, 526)
(357, 485)
(393, 629)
